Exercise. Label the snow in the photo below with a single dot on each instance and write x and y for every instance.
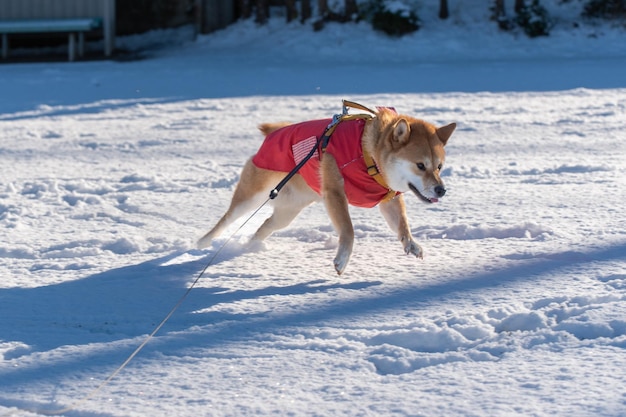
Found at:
(112, 170)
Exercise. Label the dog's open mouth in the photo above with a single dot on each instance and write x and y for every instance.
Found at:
(422, 196)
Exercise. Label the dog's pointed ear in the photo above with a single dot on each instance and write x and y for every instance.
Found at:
(445, 132)
(401, 131)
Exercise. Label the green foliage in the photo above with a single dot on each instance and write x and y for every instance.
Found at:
(605, 9)
(394, 22)
(534, 19)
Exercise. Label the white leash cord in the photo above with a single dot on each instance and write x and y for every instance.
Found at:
(148, 338)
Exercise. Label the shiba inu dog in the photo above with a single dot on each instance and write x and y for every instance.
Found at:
(368, 161)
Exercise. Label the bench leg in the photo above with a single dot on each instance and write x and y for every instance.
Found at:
(72, 47)
(5, 46)
(81, 44)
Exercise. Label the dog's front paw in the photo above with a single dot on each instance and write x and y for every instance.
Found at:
(341, 261)
(412, 248)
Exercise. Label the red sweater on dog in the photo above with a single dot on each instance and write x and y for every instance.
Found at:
(284, 148)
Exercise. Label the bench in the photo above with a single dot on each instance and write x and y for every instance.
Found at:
(72, 17)
(70, 26)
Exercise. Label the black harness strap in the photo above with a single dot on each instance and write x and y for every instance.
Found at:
(323, 141)
(294, 171)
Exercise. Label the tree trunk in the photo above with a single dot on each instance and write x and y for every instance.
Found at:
(292, 12)
(519, 5)
(322, 5)
(499, 11)
(245, 9)
(499, 14)
(306, 10)
(443, 9)
(262, 11)
(351, 9)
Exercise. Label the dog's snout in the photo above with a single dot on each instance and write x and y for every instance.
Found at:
(440, 190)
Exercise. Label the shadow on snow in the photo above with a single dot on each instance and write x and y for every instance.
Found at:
(111, 312)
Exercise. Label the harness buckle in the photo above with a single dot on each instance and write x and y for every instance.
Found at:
(334, 122)
(373, 170)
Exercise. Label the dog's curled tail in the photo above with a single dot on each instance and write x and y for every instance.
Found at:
(267, 128)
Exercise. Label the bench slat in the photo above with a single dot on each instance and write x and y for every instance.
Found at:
(40, 26)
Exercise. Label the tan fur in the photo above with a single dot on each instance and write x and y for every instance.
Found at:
(267, 128)
(407, 151)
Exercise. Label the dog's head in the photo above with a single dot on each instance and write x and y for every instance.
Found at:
(412, 156)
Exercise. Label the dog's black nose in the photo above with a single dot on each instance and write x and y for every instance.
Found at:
(440, 191)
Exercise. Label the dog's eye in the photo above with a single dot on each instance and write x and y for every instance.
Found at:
(439, 167)
(421, 166)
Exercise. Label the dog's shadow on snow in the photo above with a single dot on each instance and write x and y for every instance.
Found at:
(115, 309)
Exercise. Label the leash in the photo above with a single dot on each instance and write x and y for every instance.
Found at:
(121, 367)
(324, 139)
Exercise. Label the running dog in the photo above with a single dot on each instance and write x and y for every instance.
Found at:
(368, 161)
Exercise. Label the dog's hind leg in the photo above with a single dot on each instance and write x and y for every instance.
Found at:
(394, 211)
(251, 191)
(295, 196)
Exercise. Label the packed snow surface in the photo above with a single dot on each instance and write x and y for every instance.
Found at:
(112, 170)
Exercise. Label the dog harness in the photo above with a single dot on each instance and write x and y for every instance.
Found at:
(285, 148)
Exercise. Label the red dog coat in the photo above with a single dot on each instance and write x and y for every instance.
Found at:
(284, 148)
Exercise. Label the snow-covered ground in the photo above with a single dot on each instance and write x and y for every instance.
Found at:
(112, 170)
